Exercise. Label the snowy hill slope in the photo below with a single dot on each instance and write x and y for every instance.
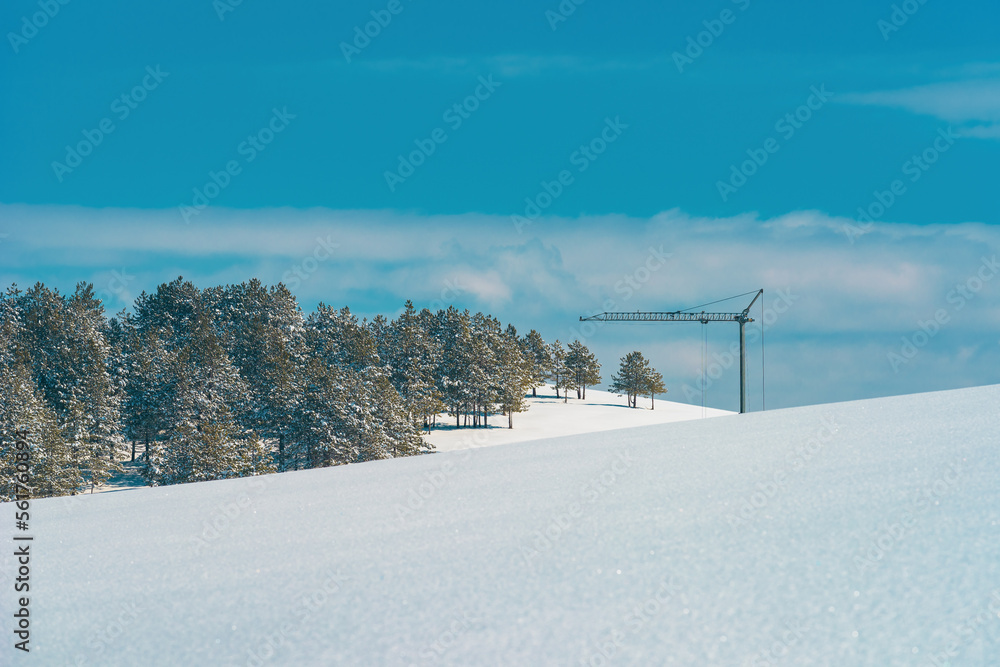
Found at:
(551, 417)
(863, 533)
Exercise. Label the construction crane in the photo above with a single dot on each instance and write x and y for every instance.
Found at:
(703, 317)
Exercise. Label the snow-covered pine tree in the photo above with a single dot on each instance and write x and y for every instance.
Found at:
(583, 368)
(516, 373)
(536, 350)
(558, 373)
(413, 354)
(263, 333)
(69, 362)
(204, 439)
(342, 340)
(150, 372)
(654, 386)
(634, 377)
(54, 472)
(483, 367)
(454, 376)
(349, 411)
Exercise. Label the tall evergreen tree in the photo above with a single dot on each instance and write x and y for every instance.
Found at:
(516, 373)
(413, 353)
(634, 377)
(559, 374)
(70, 362)
(538, 352)
(204, 439)
(53, 470)
(654, 386)
(583, 368)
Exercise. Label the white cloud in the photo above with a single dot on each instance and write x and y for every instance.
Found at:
(864, 296)
(973, 104)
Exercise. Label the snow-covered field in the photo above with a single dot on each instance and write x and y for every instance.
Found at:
(863, 533)
(551, 417)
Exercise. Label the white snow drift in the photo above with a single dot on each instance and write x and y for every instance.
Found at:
(549, 417)
(863, 533)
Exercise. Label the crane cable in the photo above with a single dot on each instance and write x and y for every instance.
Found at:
(712, 303)
(763, 395)
(704, 365)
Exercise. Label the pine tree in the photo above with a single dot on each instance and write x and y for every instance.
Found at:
(483, 368)
(53, 471)
(583, 368)
(205, 441)
(69, 359)
(263, 330)
(516, 373)
(559, 374)
(412, 354)
(654, 386)
(454, 376)
(538, 352)
(634, 377)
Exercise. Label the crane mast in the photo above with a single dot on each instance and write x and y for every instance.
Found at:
(740, 318)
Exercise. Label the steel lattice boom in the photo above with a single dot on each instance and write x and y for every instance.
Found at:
(640, 316)
(681, 316)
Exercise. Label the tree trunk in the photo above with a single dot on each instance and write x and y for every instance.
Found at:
(584, 392)
(133, 451)
(652, 399)
(510, 419)
(534, 392)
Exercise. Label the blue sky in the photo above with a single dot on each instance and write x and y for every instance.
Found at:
(747, 158)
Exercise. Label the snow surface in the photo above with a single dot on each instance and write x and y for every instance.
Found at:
(647, 558)
(551, 417)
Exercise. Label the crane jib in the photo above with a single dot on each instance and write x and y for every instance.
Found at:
(703, 317)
